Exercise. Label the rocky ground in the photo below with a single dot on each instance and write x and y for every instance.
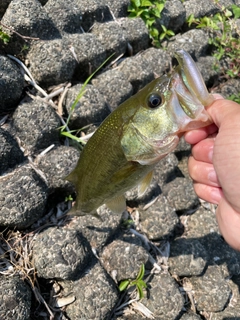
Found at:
(56, 267)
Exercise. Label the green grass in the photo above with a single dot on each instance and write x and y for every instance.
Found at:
(150, 12)
(69, 133)
(224, 37)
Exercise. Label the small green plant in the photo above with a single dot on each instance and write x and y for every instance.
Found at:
(223, 37)
(127, 223)
(138, 282)
(235, 97)
(4, 36)
(150, 11)
(68, 198)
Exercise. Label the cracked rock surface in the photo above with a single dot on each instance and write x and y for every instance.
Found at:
(167, 247)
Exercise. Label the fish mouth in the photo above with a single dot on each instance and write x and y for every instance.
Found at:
(192, 77)
(187, 85)
(189, 103)
(186, 104)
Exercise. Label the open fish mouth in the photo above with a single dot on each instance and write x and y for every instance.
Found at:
(192, 78)
(189, 93)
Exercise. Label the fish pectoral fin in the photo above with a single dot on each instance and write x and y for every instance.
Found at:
(117, 204)
(144, 184)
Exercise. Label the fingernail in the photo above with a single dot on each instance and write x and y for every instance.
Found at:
(210, 155)
(217, 96)
(212, 176)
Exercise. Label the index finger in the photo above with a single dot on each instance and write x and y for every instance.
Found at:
(194, 136)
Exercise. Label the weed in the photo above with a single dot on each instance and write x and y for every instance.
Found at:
(73, 106)
(138, 282)
(68, 198)
(224, 37)
(4, 37)
(150, 12)
(235, 97)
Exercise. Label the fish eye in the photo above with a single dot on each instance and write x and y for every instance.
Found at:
(154, 100)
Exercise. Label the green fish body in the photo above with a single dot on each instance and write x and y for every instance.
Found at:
(124, 150)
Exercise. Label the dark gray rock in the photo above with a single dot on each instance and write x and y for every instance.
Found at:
(112, 37)
(164, 300)
(97, 232)
(230, 87)
(91, 108)
(15, 298)
(93, 11)
(114, 86)
(80, 44)
(95, 294)
(183, 148)
(173, 15)
(125, 256)
(61, 253)
(41, 57)
(181, 195)
(136, 316)
(36, 125)
(211, 291)
(137, 33)
(66, 15)
(23, 196)
(118, 8)
(158, 59)
(232, 310)
(208, 67)
(187, 258)
(10, 153)
(201, 223)
(56, 165)
(183, 167)
(203, 226)
(33, 22)
(159, 221)
(3, 6)
(137, 71)
(182, 152)
(11, 85)
(207, 8)
(165, 170)
(195, 42)
(190, 316)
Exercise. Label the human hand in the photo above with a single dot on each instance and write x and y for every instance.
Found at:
(215, 165)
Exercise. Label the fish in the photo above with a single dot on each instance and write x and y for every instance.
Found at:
(124, 150)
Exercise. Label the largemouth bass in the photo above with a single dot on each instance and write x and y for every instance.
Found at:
(124, 150)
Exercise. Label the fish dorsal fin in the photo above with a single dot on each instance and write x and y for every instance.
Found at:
(144, 184)
(117, 205)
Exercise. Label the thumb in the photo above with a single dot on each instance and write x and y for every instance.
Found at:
(223, 110)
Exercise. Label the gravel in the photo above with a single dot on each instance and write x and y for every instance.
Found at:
(63, 267)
